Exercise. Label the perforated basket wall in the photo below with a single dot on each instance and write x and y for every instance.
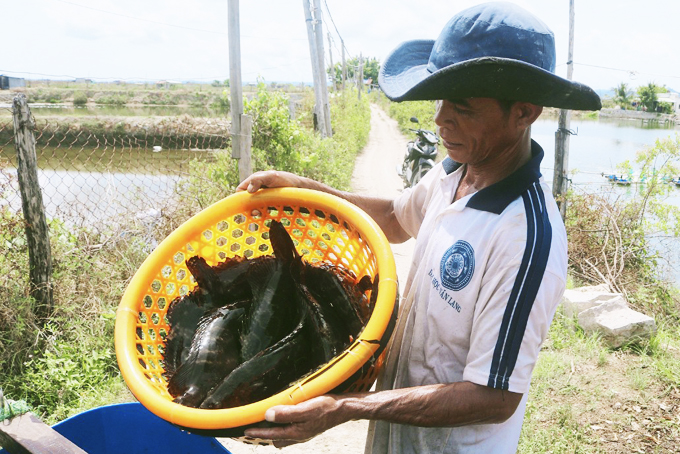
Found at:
(323, 227)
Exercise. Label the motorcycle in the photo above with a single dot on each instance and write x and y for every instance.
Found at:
(419, 157)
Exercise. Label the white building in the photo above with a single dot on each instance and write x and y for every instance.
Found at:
(670, 98)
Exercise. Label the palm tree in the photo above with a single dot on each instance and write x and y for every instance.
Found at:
(622, 96)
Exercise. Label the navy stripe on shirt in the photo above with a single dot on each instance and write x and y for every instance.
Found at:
(525, 288)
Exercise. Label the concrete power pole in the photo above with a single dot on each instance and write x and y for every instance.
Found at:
(360, 76)
(240, 142)
(318, 32)
(560, 179)
(330, 57)
(322, 108)
(344, 64)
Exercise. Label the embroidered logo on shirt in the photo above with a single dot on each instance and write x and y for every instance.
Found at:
(457, 266)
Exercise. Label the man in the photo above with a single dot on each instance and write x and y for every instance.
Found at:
(490, 261)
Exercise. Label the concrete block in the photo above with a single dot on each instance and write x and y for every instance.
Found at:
(616, 322)
(580, 299)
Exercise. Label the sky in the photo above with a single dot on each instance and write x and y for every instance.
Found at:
(630, 41)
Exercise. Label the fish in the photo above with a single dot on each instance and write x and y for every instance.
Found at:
(273, 313)
(331, 334)
(214, 353)
(252, 327)
(223, 281)
(342, 298)
(183, 316)
(265, 374)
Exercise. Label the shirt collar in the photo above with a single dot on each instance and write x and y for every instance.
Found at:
(498, 196)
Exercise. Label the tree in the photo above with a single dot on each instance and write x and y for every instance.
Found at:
(371, 69)
(647, 94)
(622, 95)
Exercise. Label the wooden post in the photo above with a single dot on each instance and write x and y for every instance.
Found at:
(37, 234)
(560, 179)
(236, 88)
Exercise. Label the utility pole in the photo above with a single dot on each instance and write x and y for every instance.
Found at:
(360, 78)
(330, 57)
(318, 30)
(322, 109)
(240, 148)
(560, 180)
(344, 64)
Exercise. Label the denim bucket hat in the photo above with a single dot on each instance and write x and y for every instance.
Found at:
(493, 50)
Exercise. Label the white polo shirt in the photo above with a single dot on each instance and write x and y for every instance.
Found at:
(487, 275)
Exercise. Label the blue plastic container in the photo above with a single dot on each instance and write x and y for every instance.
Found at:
(131, 429)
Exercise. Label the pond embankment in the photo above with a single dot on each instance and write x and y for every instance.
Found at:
(178, 132)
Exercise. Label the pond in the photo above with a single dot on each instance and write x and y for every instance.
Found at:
(596, 148)
(598, 145)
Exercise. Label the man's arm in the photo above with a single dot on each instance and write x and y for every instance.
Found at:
(449, 405)
(381, 210)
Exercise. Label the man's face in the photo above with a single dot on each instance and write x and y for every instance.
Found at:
(476, 130)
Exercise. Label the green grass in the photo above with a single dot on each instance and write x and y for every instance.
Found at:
(588, 398)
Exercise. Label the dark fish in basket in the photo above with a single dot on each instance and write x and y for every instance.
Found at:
(268, 372)
(217, 287)
(214, 353)
(331, 335)
(183, 315)
(226, 281)
(293, 318)
(341, 296)
(273, 314)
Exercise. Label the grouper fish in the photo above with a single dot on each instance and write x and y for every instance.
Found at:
(265, 374)
(260, 324)
(214, 353)
(272, 314)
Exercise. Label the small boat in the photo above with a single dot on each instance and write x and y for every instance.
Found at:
(618, 179)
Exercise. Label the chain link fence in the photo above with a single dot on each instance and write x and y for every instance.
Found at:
(95, 171)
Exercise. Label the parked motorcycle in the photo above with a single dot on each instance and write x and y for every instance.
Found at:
(419, 157)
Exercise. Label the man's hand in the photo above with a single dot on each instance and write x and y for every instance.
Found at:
(300, 422)
(272, 179)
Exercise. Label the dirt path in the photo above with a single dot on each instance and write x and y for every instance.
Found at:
(374, 174)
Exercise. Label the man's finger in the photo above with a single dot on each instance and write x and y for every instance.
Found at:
(284, 414)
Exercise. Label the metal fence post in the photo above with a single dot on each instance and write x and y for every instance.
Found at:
(37, 235)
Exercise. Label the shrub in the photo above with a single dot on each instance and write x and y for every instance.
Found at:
(79, 98)
(54, 367)
(282, 143)
(621, 241)
(221, 103)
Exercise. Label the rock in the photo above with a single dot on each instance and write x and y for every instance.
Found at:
(616, 322)
(599, 310)
(579, 299)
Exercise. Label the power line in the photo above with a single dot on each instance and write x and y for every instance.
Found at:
(336, 28)
(107, 78)
(631, 72)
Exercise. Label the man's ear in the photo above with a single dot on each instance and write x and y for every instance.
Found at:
(526, 113)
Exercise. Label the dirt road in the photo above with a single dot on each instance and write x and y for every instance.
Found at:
(374, 174)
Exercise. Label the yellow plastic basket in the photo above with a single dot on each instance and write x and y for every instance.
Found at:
(323, 227)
